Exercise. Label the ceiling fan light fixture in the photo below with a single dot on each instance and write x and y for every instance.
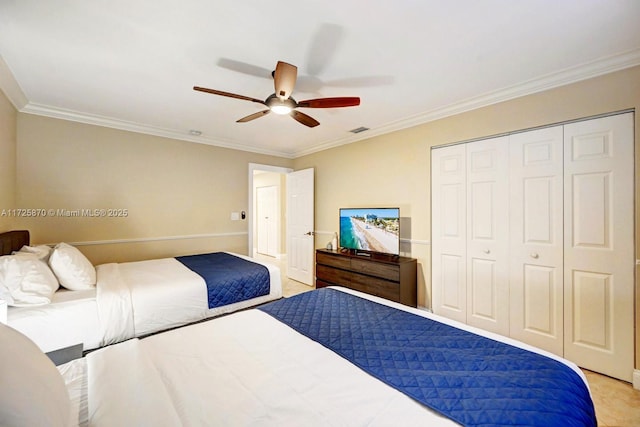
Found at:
(281, 109)
(280, 106)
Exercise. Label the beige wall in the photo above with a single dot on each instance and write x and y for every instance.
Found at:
(394, 169)
(174, 188)
(8, 116)
(168, 187)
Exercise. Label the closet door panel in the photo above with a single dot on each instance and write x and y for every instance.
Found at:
(448, 234)
(598, 245)
(536, 238)
(487, 241)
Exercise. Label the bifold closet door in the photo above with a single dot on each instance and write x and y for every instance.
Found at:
(448, 234)
(487, 235)
(598, 244)
(536, 238)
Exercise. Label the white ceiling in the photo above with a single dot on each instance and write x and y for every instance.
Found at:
(132, 64)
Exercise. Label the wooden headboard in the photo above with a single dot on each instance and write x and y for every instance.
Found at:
(13, 241)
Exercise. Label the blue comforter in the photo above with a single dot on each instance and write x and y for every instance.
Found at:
(471, 379)
(229, 278)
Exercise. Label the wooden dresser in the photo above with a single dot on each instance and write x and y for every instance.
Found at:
(391, 277)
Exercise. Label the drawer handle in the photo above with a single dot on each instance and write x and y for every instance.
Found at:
(534, 255)
(487, 251)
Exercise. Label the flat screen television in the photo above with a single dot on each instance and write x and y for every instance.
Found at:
(370, 230)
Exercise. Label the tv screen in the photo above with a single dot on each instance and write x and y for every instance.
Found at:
(370, 229)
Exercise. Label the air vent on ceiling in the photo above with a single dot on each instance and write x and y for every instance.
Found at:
(358, 130)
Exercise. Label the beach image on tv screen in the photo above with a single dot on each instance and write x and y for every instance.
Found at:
(374, 230)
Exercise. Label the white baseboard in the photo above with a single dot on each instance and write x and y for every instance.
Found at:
(636, 379)
(281, 256)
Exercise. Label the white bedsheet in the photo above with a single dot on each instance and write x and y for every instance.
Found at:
(243, 370)
(130, 300)
(70, 319)
(162, 293)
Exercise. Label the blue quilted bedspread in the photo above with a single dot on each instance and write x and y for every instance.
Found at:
(473, 380)
(229, 278)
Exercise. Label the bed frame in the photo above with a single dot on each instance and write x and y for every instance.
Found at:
(13, 240)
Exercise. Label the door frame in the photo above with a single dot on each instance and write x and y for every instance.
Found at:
(251, 209)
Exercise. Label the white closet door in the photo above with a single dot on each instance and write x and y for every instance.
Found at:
(598, 246)
(487, 235)
(448, 234)
(536, 238)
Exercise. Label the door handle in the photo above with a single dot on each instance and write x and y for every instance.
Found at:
(487, 251)
(309, 233)
(534, 255)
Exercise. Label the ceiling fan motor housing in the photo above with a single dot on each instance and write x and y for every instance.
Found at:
(280, 106)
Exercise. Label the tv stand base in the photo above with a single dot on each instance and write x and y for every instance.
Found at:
(391, 277)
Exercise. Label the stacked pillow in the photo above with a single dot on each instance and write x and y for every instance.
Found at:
(32, 275)
(73, 270)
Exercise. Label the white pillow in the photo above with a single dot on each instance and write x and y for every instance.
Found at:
(73, 270)
(33, 392)
(25, 280)
(41, 251)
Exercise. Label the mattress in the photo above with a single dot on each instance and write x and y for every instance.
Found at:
(166, 294)
(131, 299)
(248, 369)
(70, 319)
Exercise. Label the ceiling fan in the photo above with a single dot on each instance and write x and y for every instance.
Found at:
(281, 102)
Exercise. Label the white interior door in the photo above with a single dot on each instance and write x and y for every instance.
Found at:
(487, 235)
(448, 234)
(536, 238)
(598, 244)
(267, 223)
(300, 226)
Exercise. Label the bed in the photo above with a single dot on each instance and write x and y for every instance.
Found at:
(134, 299)
(325, 357)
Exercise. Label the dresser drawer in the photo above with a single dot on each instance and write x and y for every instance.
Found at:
(375, 286)
(333, 261)
(386, 271)
(322, 284)
(392, 278)
(332, 275)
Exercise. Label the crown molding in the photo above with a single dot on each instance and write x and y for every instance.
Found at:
(98, 120)
(10, 86)
(564, 77)
(618, 62)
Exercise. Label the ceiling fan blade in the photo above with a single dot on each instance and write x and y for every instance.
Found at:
(284, 79)
(349, 101)
(253, 116)
(304, 119)
(230, 95)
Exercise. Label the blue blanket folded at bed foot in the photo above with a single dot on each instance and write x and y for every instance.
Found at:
(229, 278)
(471, 379)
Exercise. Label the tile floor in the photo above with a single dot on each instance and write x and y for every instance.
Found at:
(617, 403)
